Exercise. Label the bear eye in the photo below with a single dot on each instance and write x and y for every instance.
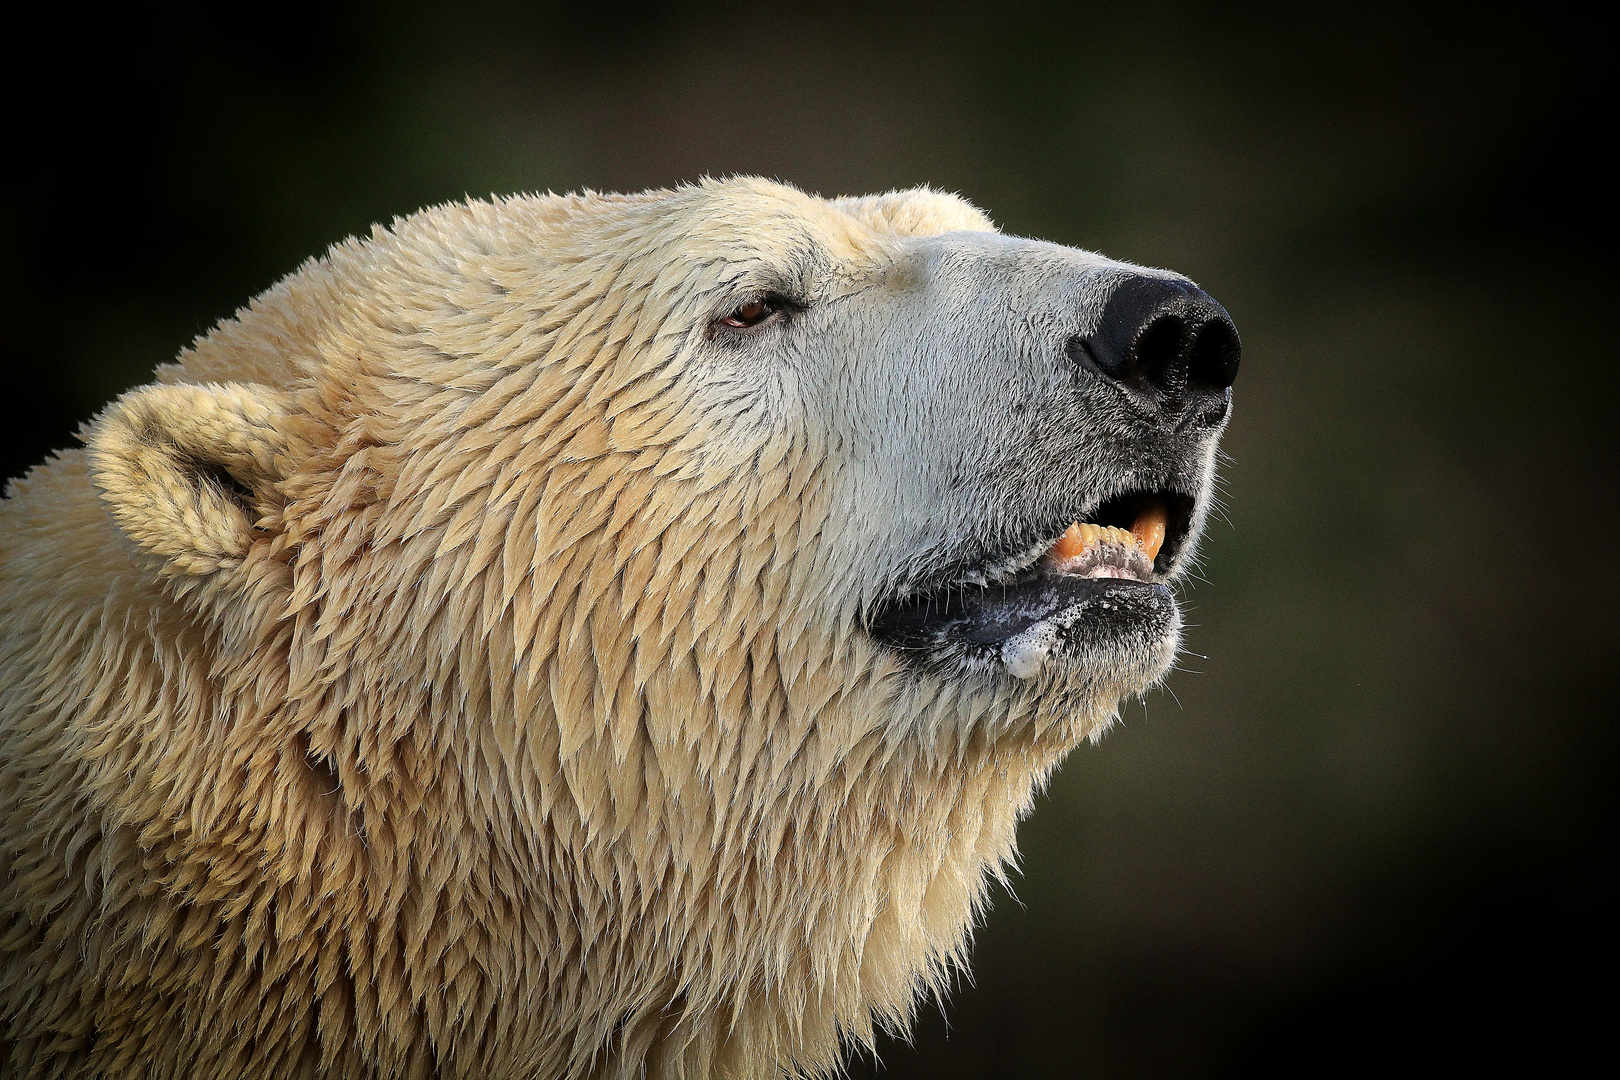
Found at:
(752, 313)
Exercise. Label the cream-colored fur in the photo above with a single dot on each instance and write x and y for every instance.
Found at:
(452, 666)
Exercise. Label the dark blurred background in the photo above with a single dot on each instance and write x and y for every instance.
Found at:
(1369, 825)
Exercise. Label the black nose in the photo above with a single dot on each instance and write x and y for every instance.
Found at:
(1167, 341)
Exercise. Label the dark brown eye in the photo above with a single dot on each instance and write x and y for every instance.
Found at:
(750, 314)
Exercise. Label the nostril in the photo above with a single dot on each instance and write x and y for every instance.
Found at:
(1163, 340)
(1216, 353)
(1158, 352)
(1080, 352)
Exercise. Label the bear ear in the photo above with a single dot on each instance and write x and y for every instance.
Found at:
(188, 470)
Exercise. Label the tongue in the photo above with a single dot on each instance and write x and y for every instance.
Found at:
(1146, 533)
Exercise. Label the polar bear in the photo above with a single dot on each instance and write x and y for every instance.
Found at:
(590, 636)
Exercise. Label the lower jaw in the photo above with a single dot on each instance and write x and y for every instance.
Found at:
(1122, 619)
(1118, 629)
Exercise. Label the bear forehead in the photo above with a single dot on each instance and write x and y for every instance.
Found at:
(748, 212)
(716, 222)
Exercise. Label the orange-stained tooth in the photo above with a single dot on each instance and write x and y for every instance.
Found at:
(1070, 544)
(1149, 529)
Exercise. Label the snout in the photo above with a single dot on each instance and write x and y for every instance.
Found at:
(1166, 342)
(1083, 398)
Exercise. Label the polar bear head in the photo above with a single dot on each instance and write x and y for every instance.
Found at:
(641, 621)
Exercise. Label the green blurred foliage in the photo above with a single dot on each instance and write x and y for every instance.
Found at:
(1369, 819)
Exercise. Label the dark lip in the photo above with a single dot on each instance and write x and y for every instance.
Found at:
(955, 608)
(984, 616)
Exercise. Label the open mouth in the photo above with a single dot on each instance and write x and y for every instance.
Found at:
(1097, 579)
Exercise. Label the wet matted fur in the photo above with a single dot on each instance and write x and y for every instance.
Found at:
(454, 664)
